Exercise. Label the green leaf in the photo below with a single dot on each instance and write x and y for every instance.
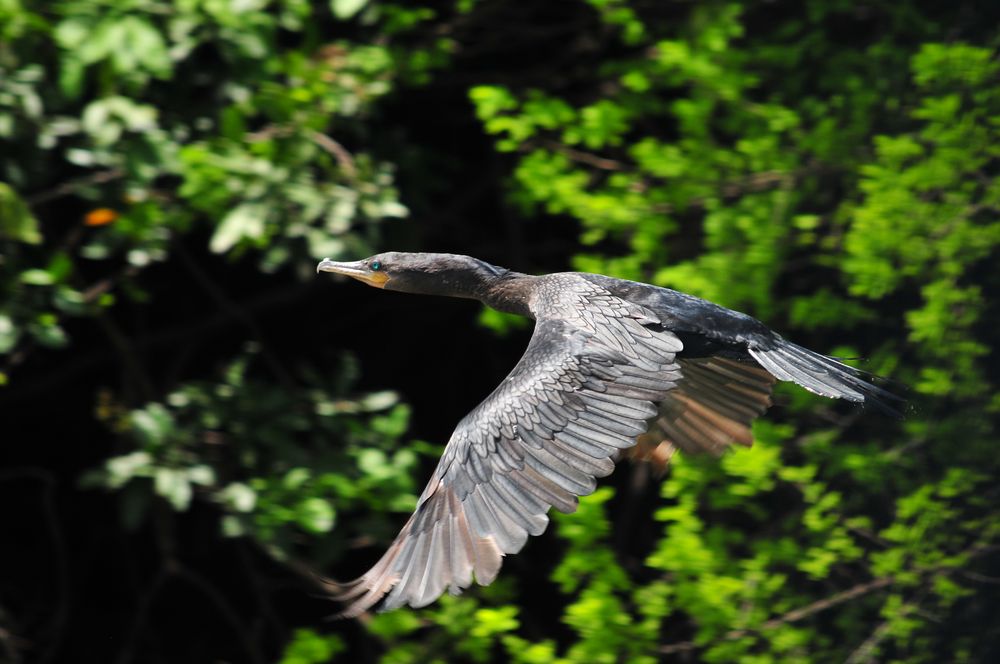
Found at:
(201, 474)
(121, 469)
(153, 424)
(174, 485)
(239, 497)
(345, 9)
(491, 100)
(16, 220)
(144, 45)
(36, 277)
(9, 334)
(244, 221)
(315, 515)
(47, 331)
(490, 622)
(309, 647)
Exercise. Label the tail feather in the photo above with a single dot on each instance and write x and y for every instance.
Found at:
(825, 376)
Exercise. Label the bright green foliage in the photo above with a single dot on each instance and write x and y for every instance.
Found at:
(285, 458)
(928, 213)
(308, 647)
(461, 629)
(252, 157)
(748, 149)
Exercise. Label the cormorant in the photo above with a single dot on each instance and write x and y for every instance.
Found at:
(610, 362)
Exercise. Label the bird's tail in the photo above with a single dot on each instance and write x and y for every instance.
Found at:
(825, 376)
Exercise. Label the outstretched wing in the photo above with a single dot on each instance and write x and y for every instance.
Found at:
(585, 388)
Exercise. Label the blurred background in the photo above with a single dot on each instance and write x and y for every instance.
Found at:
(193, 421)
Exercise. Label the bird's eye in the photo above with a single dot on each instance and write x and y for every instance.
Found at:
(376, 266)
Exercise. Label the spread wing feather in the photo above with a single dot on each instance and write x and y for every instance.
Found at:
(713, 406)
(582, 392)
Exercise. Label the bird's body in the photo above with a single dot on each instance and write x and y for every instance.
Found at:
(611, 362)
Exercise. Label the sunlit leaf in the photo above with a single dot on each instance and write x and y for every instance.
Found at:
(345, 9)
(16, 220)
(246, 221)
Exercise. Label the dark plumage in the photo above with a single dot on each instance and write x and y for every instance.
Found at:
(611, 362)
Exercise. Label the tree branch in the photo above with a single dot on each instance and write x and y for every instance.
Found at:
(67, 188)
(602, 163)
(826, 603)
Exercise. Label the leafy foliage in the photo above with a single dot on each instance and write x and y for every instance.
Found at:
(275, 470)
(919, 217)
(829, 168)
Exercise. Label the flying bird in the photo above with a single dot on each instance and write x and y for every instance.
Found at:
(611, 363)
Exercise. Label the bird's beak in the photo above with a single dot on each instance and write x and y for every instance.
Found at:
(356, 270)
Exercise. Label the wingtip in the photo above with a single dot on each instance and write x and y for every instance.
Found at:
(828, 376)
(356, 597)
(887, 403)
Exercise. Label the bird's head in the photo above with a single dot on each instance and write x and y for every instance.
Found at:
(431, 274)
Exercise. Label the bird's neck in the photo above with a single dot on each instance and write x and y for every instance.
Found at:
(467, 277)
(507, 292)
